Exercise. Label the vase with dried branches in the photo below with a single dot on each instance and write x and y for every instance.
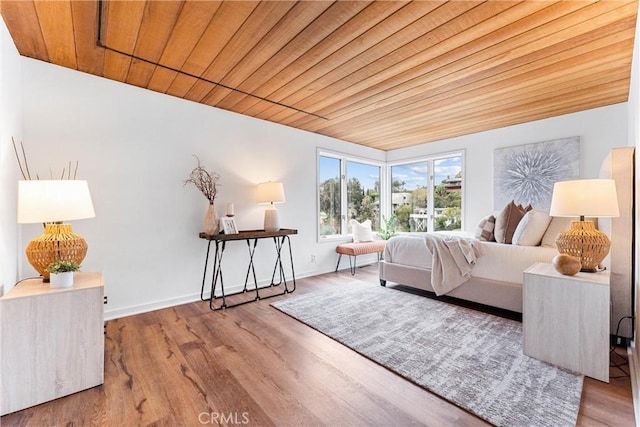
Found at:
(207, 182)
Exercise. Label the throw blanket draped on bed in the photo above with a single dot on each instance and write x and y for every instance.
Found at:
(453, 260)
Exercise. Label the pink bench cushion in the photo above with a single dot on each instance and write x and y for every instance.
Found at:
(360, 248)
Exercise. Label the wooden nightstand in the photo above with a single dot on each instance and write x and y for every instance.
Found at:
(565, 319)
(52, 340)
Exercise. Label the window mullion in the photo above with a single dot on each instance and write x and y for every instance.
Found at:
(344, 207)
(430, 199)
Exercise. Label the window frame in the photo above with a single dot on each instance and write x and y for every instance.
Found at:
(430, 159)
(344, 158)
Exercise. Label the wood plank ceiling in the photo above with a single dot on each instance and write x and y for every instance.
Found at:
(383, 74)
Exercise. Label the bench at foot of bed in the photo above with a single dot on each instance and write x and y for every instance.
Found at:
(359, 248)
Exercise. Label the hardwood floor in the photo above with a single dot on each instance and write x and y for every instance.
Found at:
(253, 365)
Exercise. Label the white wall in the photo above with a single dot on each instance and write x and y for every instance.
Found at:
(10, 126)
(600, 130)
(135, 149)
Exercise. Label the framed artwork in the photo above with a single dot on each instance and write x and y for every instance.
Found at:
(526, 173)
(228, 225)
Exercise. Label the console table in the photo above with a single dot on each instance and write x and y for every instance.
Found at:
(251, 237)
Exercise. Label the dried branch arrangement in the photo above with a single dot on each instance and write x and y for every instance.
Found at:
(24, 165)
(206, 182)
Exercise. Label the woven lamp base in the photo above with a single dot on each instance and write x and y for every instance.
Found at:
(584, 241)
(58, 242)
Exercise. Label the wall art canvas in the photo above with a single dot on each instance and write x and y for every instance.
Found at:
(526, 173)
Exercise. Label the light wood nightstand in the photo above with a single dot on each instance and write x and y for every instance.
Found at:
(52, 340)
(565, 319)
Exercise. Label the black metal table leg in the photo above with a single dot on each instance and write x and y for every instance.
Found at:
(251, 268)
(217, 274)
(204, 275)
(293, 273)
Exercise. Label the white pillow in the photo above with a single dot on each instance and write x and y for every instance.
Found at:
(361, 231)
(484, 230)
(531, 228)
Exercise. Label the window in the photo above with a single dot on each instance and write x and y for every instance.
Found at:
(347, 189)
(426, 195)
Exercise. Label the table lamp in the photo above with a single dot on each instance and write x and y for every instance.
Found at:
(579, 198)
(271, 193)
(50, 202)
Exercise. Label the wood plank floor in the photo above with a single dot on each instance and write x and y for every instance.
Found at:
(252, 365)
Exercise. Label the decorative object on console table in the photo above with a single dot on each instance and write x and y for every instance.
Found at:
(51, 341)
(228, 225)
(51, 202)
(230, 210)
(61, 273)
(211, 220)
(271, 193)
(584, 197)
(207, 183)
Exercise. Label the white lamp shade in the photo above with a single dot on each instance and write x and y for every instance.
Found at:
(271, 192)
(53, 201)
(585, 197)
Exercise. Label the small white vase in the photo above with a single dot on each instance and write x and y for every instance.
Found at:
(211, 221)
(61, 280)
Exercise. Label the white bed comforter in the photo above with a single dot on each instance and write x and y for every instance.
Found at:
(500, 262)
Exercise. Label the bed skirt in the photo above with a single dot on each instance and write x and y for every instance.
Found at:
(503, 295)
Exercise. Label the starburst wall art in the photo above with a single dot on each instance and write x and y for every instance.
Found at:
(526, 173)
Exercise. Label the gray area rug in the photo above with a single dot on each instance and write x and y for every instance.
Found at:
(470, 358)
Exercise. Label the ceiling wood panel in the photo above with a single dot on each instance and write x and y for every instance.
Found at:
(120, 31)
(89, 57)
(160, 18)
(56, 25)
(384, 74)
(22, 17)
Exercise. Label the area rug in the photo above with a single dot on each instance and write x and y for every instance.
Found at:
(468, 357)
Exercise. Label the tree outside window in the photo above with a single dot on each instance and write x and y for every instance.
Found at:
(362, 194)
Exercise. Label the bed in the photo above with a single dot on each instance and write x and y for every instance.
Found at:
(496, 277)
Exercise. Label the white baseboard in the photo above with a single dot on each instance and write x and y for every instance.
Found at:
(184, 299)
